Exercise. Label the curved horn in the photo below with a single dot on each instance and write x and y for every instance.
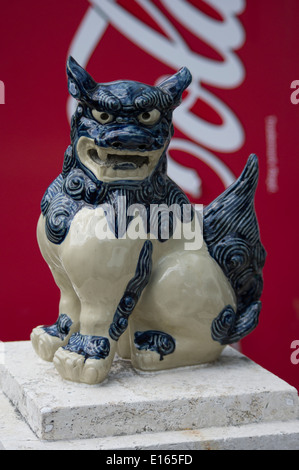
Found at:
(80, 83)
(176, 84)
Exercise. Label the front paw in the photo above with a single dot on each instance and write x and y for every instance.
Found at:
(44, 344)
(47, 339)
(85, 359)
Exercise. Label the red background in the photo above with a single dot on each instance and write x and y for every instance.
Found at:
(34, 41)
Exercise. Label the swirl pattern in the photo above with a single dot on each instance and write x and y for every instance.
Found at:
(154, 98)
(74, 184)
(229, 327)
(157, 341)
(232, 236)
(58, 217)
(50, 193)
(69, 161)
(106, 99)
(61, 327)
(91, 347)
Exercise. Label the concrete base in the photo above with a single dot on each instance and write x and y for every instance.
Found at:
(230, 404)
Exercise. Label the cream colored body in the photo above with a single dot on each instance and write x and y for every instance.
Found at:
(186, 291)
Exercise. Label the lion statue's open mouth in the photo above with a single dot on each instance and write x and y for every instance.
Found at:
(111, 164)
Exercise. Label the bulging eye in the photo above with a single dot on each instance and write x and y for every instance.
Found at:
(149, 117)
(102, 117)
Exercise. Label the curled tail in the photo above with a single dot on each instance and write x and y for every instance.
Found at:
(231, 233)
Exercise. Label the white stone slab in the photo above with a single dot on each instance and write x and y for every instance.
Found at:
(16, 435)
(233, 391)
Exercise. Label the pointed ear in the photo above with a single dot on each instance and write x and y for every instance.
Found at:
(176, 84)
(80, 83)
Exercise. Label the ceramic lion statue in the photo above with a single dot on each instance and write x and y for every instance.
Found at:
(141, 272)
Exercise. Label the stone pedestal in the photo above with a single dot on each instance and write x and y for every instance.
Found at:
(230, 404)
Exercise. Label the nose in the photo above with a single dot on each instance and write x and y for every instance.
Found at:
(129, 140)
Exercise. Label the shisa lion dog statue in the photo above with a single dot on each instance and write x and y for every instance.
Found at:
(115, 232)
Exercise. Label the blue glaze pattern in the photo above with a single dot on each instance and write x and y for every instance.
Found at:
(60, 328)
(232, 235)
(157, 341)
(229, 327)
(132, 292)
(91, 347)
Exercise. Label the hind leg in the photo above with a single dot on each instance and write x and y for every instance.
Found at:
(171, 326)
(47, 339)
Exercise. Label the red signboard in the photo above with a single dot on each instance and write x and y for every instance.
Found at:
(243, 99)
